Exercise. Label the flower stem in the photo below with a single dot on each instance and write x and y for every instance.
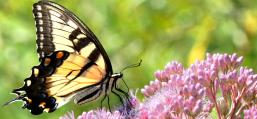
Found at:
(213, 94)
(235, 104)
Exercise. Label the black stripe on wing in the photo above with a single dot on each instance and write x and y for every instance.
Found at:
(55, 27)
(93, 57)
(79, 42)
(43, 27)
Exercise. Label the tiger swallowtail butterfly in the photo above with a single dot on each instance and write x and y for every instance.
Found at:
(73, 63)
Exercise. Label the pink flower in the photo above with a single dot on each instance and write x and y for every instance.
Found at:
(95, 114)
(101, 114)
(251, 113)
(69, 115)
(216, 83)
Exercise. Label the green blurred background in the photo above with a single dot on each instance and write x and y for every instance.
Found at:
(156, 31)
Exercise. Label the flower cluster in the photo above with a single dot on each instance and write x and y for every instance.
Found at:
(216, 83)
(95, 114)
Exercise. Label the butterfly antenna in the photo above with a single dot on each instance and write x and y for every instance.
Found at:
(132, 65)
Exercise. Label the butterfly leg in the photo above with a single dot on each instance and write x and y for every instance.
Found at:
(105, 95)
(118, 96)
(125, 85)
(126, 94)
(108, 99)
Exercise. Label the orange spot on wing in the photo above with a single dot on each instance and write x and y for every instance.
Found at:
(47, 61)
(59, 55)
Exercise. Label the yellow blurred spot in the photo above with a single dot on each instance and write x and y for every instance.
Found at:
(201, 34)
(250, 22)
(36, 71)
(42, 104)
(47, 109)
(29, 100)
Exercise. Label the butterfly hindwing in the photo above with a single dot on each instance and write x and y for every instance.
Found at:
(67, 81)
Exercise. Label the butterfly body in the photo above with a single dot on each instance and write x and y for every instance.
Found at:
(73, 63)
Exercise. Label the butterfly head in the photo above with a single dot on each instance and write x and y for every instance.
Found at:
(117, 75)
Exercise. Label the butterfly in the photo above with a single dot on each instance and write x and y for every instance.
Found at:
(73, 63)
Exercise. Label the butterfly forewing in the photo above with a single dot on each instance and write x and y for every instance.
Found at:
(59, 29)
